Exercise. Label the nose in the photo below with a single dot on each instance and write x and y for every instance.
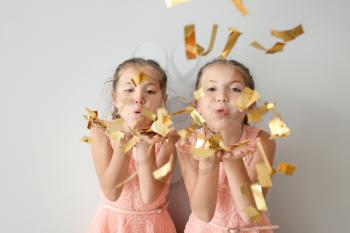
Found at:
(221, 97)
(139, 98)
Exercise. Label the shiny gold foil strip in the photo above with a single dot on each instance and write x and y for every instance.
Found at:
(87, 140)
(278, 128)
(171, 3)
(190, 41)
(247, 98)
(231, 41)
(130, 177)
(200, 49)
(164, 170)
(277, 47)
(290, 34)
(286, 168)
(263, 175)
(258, 197)
(239, 5)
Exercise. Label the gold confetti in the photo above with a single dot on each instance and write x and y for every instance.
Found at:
(162, 123)
(197, 118)
(148, 114)
(130, 177)
(247, 98)
(263, 154)
(278, 128)
(130, 144)
(239, 5)
(139, 78)
(278, 47)
(252, 213)
(192, 48)
(200, 49)
(164, 170)
(199, 93)
(288, 35)
(231, 41)
(171, 3)
(286, 168)
(190, 41)
(263, 175)
(258, 197)
(87, 140)
(256, 114)
(202, 153)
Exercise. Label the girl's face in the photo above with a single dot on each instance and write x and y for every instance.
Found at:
(130, 99)
(222, 84)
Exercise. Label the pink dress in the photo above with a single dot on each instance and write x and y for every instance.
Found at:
(129, 214)
(226, 217)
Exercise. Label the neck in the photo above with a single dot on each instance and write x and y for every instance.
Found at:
(232, 133)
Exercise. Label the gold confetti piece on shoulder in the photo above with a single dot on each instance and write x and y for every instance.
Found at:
(258, 197)
(171, 3)
(190, 41)
(199, 93)
(87, 140)
(278, 47)
(247, 98)
(288, 35)
(231, 41)
(200, 49)
(263, 175)
(286, 168)
(164, 170)
(148, 114)
(263, 154)
(239, 5)
(139, 78)
(129, 144)
(278, 128)
(130, 177)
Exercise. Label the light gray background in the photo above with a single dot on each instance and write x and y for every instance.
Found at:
(56, 55)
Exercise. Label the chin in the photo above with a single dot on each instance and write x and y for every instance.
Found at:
(218, 126)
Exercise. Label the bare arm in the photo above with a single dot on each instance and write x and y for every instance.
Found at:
(238, 175)
(111, 164)
(201, 181)
(147, 162)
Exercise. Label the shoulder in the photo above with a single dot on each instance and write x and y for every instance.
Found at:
(266, 140)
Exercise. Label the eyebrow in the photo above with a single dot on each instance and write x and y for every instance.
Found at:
(149, 83)
(235, 81)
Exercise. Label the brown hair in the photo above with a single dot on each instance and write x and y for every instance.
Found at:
(141, 62)
(248, 78)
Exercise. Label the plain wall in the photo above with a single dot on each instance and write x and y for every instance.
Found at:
(56, 55)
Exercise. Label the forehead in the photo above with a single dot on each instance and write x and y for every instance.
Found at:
(132, 70)
(221, 73)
